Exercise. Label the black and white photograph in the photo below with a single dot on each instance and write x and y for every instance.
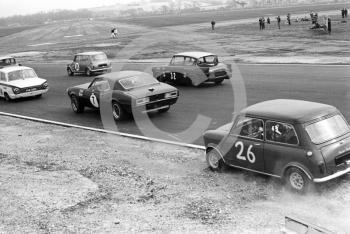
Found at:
(175, 116)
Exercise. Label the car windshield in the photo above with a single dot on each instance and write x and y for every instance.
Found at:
(99, 57)
(21, 74)
(327, 129)
(211, 60)
(136, 82)
(8, 61)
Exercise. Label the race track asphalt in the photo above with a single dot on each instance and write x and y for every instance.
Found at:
(320, 83)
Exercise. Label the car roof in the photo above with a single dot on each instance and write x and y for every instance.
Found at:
(6, 57)
(194, 54)
(8, 69)
(115, 76)
(90, 53)
(289, 110)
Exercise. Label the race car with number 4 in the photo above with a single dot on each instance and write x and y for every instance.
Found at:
(301, 142)
(125, 92)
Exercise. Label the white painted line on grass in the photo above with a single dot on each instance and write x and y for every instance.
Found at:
(46, 43)
(78, 35)
(103, 131)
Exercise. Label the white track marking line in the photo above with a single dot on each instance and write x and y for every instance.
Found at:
(46, 43)
(78, 35)
(103, 131)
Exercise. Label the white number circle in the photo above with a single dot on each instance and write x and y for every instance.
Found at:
(93, 100)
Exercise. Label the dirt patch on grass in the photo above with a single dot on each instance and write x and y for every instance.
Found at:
(56, 179)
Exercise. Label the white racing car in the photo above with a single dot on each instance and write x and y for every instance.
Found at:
(20, 81)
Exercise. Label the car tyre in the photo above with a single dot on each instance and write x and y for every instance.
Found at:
(118, 111)
(164, 109)
(297, 180)
(70, 72)
(219, 81)
(214, 160)
(7, 97)
(77, 106)
(87, 72)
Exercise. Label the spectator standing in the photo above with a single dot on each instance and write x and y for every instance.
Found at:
(213, 25)
(343, 13)
(260, 23)
(329, 26)
(268, 20)
(263, 23)
(346, 12)
(288, 18)
(279, 22)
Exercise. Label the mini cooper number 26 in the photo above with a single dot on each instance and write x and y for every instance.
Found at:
(299, 141)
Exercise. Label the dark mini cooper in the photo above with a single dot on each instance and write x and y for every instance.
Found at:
(89, 63)
(125, 91)
(193, 68)
(299, 141)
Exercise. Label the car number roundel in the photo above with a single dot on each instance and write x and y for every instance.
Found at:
(76, 66)
(93, 100)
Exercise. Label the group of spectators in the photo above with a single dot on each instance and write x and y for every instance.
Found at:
(268, 21)
(344, 13)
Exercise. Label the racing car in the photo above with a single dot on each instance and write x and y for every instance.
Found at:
(299, 141)
(89, 63)
(19, 82)
(193, 68)
(128, 91)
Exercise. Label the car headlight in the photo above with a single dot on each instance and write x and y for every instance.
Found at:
(16, 90)
(171, 94)
(142, 101)
(45, 85)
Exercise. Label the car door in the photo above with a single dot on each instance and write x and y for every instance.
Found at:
(75, 65)
(282, 147)
(246, 142)
(2, 83)
(97, 88)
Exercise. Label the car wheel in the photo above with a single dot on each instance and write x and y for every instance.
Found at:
(77, 107)
(70, 72)
(297, 180)
(118, 111)
(87, 72)
(7, 97)
(214, 160)
(219, 81)
(164, 109)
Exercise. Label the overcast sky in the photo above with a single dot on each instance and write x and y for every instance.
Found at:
(13, 7)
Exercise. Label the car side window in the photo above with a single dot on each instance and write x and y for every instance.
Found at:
(101, 85)
(281, 133)
(2, 76)
(177, 60)
(250, 127)
(189, 61)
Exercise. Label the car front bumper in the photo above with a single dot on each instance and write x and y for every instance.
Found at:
(28, 94)
(333, 176)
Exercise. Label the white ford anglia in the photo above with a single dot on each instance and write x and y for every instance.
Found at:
(19, 82)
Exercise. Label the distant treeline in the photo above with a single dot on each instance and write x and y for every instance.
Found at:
(44, 17)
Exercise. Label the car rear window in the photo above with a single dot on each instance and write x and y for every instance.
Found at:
(327, 129)
(21, 74)
(210, 60)
(99, 57)
(136, 82)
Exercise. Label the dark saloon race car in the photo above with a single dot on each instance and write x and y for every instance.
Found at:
(89, 63)
(126, 91)
(193, 68)
(299, 141)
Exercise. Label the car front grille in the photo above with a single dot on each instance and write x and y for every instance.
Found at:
(31, 89)
(103, 65)
(342, 159)
(156, 97)
(220, 73)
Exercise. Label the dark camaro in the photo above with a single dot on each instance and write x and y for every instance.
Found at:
(300, 141)
(125, 91)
